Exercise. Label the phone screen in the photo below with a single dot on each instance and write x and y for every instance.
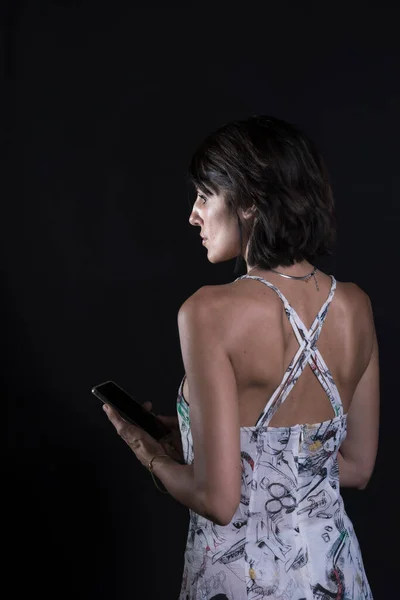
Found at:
(130, 409)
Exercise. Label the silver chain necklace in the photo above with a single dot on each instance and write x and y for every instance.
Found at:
(303, 277)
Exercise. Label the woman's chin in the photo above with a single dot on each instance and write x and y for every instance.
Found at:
(215, 259)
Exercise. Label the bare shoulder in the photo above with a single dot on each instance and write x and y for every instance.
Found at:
(206, 296)
(356, 299)
(204, 307)
(228, 294)
(231, 294)
(211, 295)
(355, 314)
(230, 310)
(352, 290)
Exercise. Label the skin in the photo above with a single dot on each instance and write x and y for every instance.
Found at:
(229, 375)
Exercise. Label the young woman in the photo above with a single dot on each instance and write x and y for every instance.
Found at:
(279, 404)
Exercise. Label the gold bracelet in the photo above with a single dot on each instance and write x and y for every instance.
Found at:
(150, 468)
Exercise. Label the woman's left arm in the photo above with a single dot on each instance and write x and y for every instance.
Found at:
(211, 485)
(205, 330)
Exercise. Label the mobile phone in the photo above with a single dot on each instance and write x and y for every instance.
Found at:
(130, 409)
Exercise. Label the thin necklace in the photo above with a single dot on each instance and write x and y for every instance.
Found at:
(303, 277)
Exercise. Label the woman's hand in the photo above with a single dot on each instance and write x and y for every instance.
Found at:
(138, 440)
(172, 442)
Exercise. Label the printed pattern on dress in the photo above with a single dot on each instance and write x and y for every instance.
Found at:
(290, 538)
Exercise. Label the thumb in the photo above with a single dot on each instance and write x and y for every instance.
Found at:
(147, 405)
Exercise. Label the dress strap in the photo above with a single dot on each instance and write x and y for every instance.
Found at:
(306, 353)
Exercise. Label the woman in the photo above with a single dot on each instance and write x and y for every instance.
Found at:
(279, 365)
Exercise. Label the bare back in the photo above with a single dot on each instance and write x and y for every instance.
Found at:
(261, 343)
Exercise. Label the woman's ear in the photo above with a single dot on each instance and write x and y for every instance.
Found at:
(249, 213)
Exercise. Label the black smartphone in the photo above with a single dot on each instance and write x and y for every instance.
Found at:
(130, 409)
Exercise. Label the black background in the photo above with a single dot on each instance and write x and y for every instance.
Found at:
(104, 103)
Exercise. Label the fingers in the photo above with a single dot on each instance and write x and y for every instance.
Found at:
(125, 430)
(172, 451)
(129, 435)
(169, 420)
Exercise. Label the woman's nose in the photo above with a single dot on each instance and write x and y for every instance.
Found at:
(194, 218)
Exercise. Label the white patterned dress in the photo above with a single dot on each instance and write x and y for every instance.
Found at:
(290, 538)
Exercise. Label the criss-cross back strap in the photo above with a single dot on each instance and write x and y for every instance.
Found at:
(307, 353)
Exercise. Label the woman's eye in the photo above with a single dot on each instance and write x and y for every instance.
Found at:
(203, 198)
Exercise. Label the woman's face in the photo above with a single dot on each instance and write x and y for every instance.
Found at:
(218, 226)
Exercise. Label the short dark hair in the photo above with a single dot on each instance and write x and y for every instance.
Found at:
(270, 164)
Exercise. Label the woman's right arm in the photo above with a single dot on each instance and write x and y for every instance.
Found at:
(357, 454)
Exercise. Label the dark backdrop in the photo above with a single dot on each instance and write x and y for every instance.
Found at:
(104, 104)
